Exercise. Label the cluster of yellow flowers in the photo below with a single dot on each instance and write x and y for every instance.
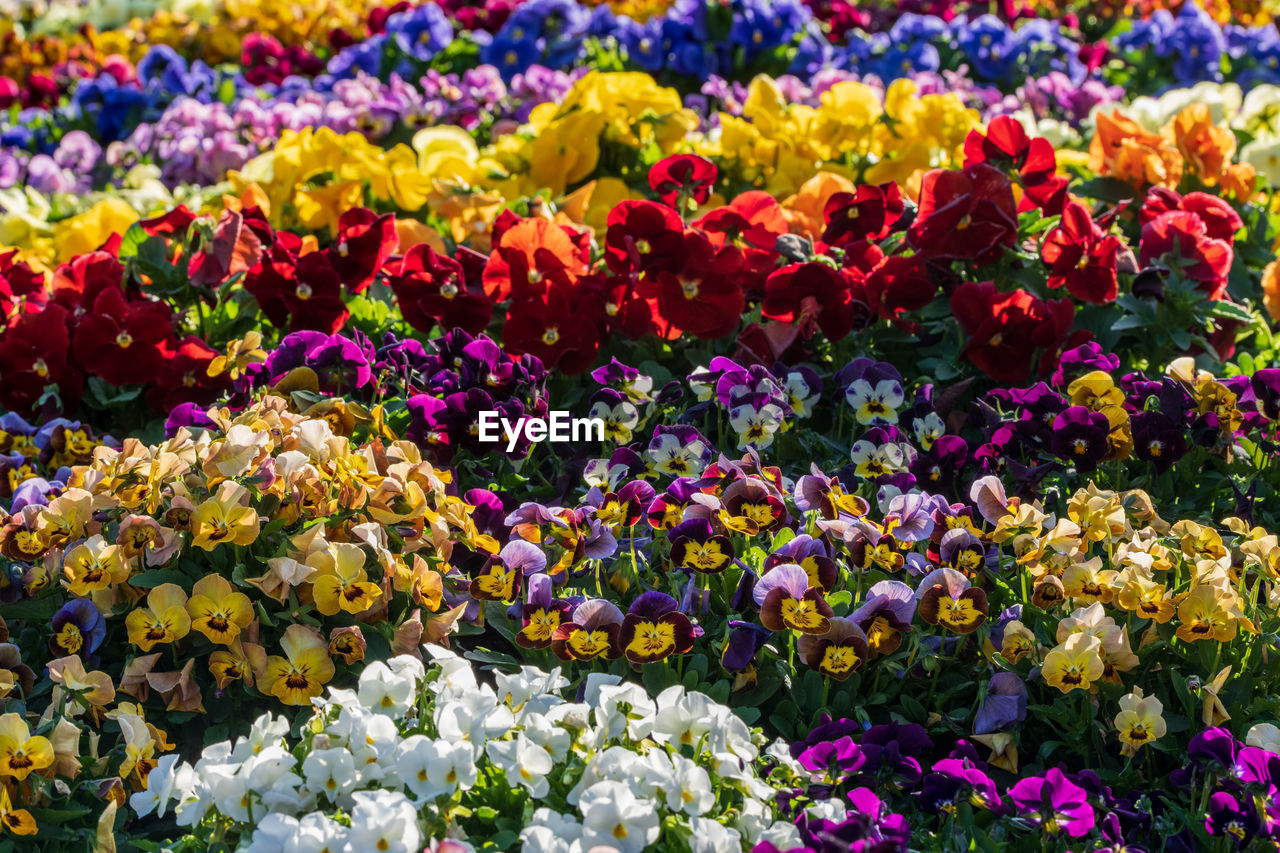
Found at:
(1122, 568)
(853, 135)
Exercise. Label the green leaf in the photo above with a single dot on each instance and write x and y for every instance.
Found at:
(155, 577)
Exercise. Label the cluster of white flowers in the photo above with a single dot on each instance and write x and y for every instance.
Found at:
(404, 760)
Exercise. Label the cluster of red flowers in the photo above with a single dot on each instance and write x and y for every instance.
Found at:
(656, 271)
(1195, 232)
(88, 321)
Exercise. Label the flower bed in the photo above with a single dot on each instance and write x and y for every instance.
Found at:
(932, 356)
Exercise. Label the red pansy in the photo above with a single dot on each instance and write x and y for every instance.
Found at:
(868, 213)
(897, 284)
(303, 293)
(643, 236)
(364, 242)
(174, 222)
(704, 298)
(1007, 146)
(561, 326)
(123, 340)
(1006, 329)
(967, 215)
(1081, 256)
(34, 353)
(812, 292)
(434, 289)
(185, 378)
(683, 173)
(21, 288)
(77, 283)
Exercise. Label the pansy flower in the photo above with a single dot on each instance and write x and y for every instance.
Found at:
(93, 565)
(750, 505)
(965, 215)
(1006, 329)
(877, 403)
(502, 577)
(218, 611)
(679, 451)
(885, 616)
(686, 175)
(238, 662)
(787, 601)
(871, 547)
(619, 415)
(1206, 613)
(1055, 803)
(541, 614)
(341, 583)
(78, 629)
(696, 548)
(755, 425)
(874, 456)
(963, 551)
(738, 656)
(654, 628)
(1004, 705)
(946, 597)
(21, 753)
(1081, 256)
(223, 518)
(17, 821)
(1139, 721)
(867, 213)
(816, 492)
(809, 554)
(301, 673)
(347, 643)
(593, 630)
(838, 652)
(1080, 436)
(163, 620)
(1075, 663)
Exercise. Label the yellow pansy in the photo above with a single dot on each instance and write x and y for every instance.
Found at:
(1206, 614)
(1139, 721)
(93, 565)
(218, 611)
(20, 753)
(163, 620)
(301, 674)
(17, 821)
(341, 583)
(1076, 663)
(222, 519)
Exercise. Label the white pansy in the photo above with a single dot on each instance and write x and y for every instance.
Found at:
(691, 792)
(551, 832)
(384, 691)
(525, 763)
(166, 781)
(712, 837)
(1264, 155)
(474, 718)
(432, 768)
(330, 773)
(370, 773)
(612, 816)
(384, 821)
(1262, 735)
